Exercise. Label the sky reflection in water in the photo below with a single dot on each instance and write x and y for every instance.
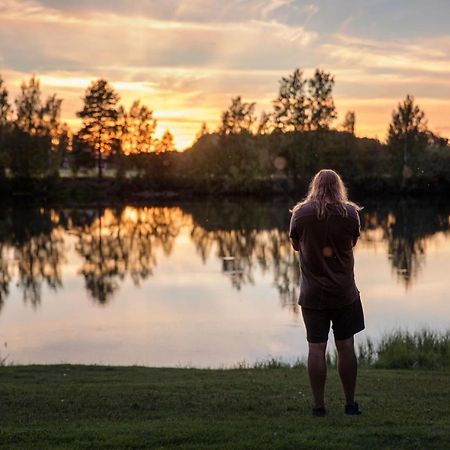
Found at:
(199, 283)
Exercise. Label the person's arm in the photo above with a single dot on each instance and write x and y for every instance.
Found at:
(357, 230)
(295, 245)
(293, 234)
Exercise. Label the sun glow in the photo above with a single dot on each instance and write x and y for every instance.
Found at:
(185, 61)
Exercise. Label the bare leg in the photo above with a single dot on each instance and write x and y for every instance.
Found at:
(347, 367)
(317, 370)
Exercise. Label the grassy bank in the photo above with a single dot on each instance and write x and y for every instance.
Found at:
(132, 407)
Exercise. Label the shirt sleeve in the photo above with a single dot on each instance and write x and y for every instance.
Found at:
(357, 231)
(293, 231)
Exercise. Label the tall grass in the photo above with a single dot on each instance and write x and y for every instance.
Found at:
(399, 349)
(423, 349)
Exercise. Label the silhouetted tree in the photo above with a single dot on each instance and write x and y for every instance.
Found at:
(36, 131)
(136, 129)
(265, 125)
(29, 107)
(320, 102)
(165, 144)
(99, 116)
(61, 148)
(349, 122)
(238, 118)
(5, 107)
(5, 110)
(203, 131)
(82, 155)
(407, 135)
(290, 107)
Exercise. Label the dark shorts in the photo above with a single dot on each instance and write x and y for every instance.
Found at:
(346, 321)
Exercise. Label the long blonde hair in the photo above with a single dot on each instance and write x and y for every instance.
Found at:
(326, 189)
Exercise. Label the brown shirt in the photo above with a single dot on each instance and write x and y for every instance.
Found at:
(326, 255)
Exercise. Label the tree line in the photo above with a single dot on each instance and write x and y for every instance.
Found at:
(244, 153)
(34, 142)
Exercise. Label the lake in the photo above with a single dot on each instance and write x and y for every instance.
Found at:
(207, 283)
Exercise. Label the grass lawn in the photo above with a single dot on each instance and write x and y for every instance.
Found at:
(132, 407)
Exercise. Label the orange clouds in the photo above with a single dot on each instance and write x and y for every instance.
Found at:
(186, 62)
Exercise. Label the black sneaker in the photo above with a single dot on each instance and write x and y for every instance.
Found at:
(319, 412)
(352, 409)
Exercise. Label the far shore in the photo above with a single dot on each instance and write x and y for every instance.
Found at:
(87, 190)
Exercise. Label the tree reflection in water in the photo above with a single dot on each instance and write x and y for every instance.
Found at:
(38, 250)
(5, 274)
(406, 226)
(246, 235)
(121, 242)
(249, 234)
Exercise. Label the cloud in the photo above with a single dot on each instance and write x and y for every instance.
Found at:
(187, 58)
(371, 54)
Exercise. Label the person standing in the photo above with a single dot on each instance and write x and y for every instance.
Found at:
(324, 228)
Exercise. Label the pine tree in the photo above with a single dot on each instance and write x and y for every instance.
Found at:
(99, 116)
(320, 103)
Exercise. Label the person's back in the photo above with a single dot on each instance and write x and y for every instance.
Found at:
(324, 228)
(326, 254)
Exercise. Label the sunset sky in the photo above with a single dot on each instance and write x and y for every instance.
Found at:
(185, 59)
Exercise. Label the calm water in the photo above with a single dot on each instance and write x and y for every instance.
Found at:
(200, 283)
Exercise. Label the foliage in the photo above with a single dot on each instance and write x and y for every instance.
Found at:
(278, 152)
(407, 136)
(36, 135)
(423, 349)
(348, 124)
(303, 104)
(165, 144)
(5, 110)
(238, 118)
(265, 125)
(5, 106)
(203, 131)
(99, 115)
(320, 102)
(418, 350)
(290, 113)
(136, 129)
(29, 153)
(81, 156)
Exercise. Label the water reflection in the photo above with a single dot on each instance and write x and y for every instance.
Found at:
(32, 247)
(246, 236)
(406, 227)
(121, 242)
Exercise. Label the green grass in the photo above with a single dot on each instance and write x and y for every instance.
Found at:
(422, 349)
(133, 407)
